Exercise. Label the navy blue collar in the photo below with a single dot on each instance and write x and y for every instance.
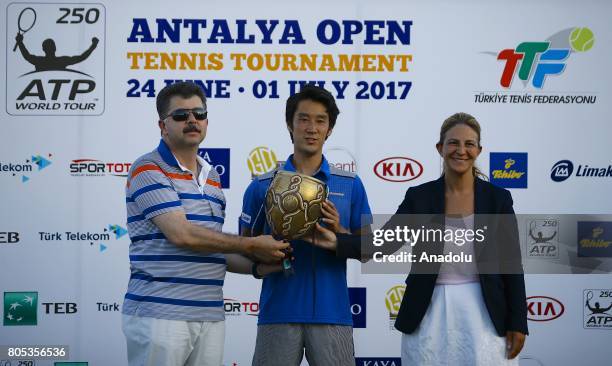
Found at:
(166, 154)
(323, 169)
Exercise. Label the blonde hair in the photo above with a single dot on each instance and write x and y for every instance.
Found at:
(462, 118)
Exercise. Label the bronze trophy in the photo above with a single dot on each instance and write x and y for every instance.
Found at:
(293, 206)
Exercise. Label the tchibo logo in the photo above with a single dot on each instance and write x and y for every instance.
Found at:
(538, 60)
(20, 308)
(52, 67)
(594, 239)
(219, 158)
(357, 298)
(597, 308)
(341, 158)
(261, 161)
(98, 168)
(101, 238)
(235, 307)
(26, 169)
(398, 169)
(543, 238)
(563, 169)
(544, 308)
(9, 237)
(393, 300)
(508, 170)
(378, 361)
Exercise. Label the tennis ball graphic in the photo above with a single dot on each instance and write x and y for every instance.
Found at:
(582, 39)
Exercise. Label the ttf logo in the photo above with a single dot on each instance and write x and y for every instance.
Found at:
(55, 59)
(535, 61)
(20, 308)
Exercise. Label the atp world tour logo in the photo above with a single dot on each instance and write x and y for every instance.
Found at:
(55, 59)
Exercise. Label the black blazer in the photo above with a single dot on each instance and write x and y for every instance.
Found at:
(504, 294)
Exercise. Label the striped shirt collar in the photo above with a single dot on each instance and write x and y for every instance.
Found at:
(170, 159)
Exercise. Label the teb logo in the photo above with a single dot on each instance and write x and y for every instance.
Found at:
(398, 169)
(544, 308)
(20, 308)
(55, 75)
(537, 60)
(261, 160)
(508, 170)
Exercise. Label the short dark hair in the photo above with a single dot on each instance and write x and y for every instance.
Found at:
(314, 93)
(184, 89)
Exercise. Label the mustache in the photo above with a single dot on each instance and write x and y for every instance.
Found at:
(191, 128)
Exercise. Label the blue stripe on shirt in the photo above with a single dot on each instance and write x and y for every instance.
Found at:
(148, 188)
(161, 206)
(177, 258)
(195, 196)
(189, 281)
(165, 300)
(205, 218)
(147, 237)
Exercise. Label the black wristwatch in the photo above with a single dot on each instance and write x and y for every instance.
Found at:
(254, 271)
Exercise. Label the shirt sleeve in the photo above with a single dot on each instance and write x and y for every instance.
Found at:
(361, 215)
(152, 191)
(253, 215)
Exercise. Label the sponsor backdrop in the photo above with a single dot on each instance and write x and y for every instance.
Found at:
(78, 107)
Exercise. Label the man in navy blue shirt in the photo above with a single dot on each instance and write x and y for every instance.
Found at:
(310, 310)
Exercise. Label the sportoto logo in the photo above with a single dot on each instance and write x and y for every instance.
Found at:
(55, 59)
(544, 308)
(561, 170)
(398, 169)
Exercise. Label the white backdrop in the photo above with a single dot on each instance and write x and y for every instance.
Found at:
(451, 65)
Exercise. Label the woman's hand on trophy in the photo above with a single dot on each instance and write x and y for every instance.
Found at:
(331, 217)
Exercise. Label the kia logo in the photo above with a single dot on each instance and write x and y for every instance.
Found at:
(398, 169)
(561, 171)
(543, 308)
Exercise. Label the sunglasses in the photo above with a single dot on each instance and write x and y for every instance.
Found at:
(182, 115)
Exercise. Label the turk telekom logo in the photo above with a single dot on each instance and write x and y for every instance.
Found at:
(537, 60)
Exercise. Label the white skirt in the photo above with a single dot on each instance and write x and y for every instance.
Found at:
(456, 330)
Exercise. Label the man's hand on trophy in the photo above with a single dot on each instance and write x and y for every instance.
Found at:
(331, 217)
(266, 249)
(323, 237)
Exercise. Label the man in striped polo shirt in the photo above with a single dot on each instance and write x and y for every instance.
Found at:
(309, 311)
(173, 310)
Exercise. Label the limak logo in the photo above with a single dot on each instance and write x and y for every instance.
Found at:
(508, 170)
(536, 60)
(25, 169)
(563, 169)
(20, 308)
(62, 75)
